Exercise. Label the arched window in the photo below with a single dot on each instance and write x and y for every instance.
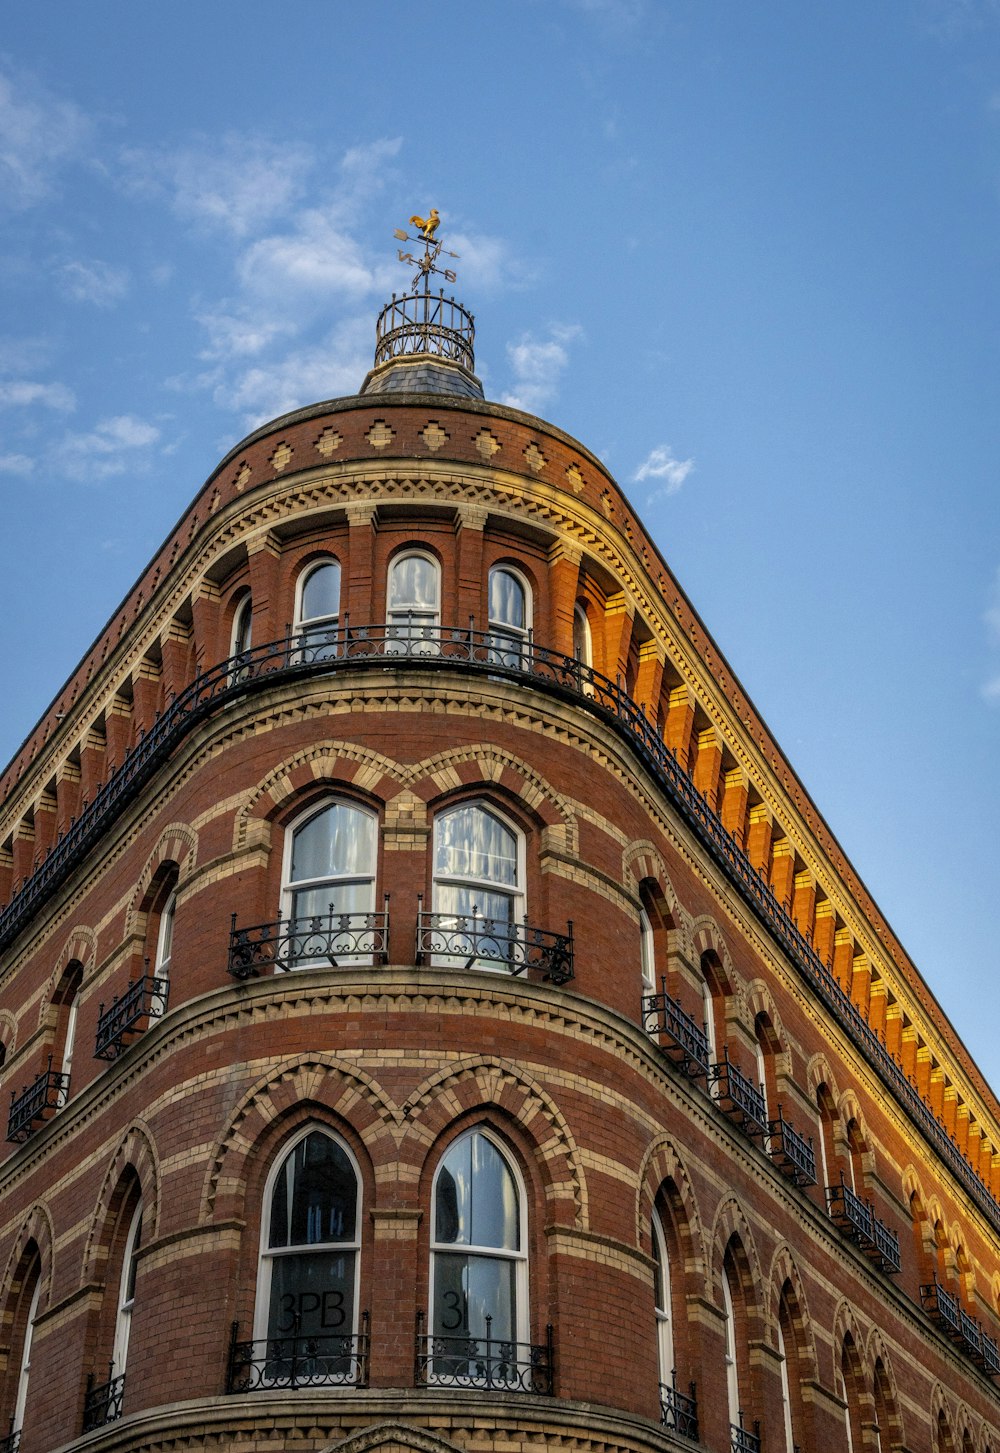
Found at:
(732, 1366)
(164, 954)
(66, 1022)
(479, 1267)
(885, 1426)
(329, 893)
(786, 1392)
(708, 1003)
(126, 1294)
(307, 1285)
(662, 1296)
(414, 604)
(317, 617)
(766, 1047)
(827, 1111)
(582, 643)
(791, 1372)
(850, 1388)
(647, 952)
(509, 616)
(478, 886)
(32, 1290)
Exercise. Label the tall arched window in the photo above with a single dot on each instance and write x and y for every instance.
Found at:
(164, 953)
(307, 1285)
(732, 1365)
(414, 604)
(791, 1371)
(68, 998)
(479, 1267)
(582, 645)
(330, 886)
(509, 615)
(32, 1291)
(647, 952)
(664, 1319)
(317, 616)
(850, 1389)
(478, 885)
(126, 1294)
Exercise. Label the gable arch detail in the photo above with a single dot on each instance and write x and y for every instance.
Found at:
(784, 1270)
(137, 1152)
(731, 1224)
(177, 843)
(487, 765)
(37, 1228)
(330, 762)
(662, 1163)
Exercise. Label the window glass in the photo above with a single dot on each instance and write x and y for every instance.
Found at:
(319, 610)
(243, 627)
(581, 637)
(479, 1271)
(24, 1372)
(332, 873)
(509, 604)
(647, 956)
(414, 604)
(477, 882)
(126, 1293)
(307, 1290)
(661, 1275)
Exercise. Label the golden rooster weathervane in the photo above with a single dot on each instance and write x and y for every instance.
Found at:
(433, 249)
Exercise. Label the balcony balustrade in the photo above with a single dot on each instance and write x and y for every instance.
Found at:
(12, 1442)
(744, 1440)
(297, 1361)
(457, 648)
(102, 1402)
(490, 1363)
(857, 1220)
(144, 999)
(739, 1098)
(36, 1104)
(328, 940)
(791, 1152)
(678, 1035)
(679, 1410)
(465, 940)
(944, 1308)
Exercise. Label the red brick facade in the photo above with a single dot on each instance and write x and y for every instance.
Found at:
(652, 812)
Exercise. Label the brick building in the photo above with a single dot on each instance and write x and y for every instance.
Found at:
(434, 1014)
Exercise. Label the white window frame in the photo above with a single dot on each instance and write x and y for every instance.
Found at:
(647, 950)
(69, 1042)
(786, 1391)
(508, 643)
(522, 1322)
(290, 888)
(516, 895)
(407, 624)
(164, 950)
(267, 1256)
(732, 1367)
(126, 1294)
(242, 634)
(306, 626)
(24, 1372)
(664, 1313)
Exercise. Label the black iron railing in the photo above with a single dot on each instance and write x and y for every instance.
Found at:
(493, 1363)
(739, 1097)
(12, 1442)
(791, 1152)
(857, 1220)
(744, 1440)
(379, 648)
(464, 939)
(326, 940)
(679, 1410)
(300, 1360)
(944, 1308)
(102, 1402)
(425, 322)
(677, 1034)
(143, 1000)
(36, 1103)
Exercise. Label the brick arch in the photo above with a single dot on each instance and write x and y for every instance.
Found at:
(940, 1402)
(643, 861)
(36, 1228)
(477, 1082)
(324, 763)
(661, 1163)
(8, 1030)
(912, 1183)
(731, 1225)
(177, 843)
(819, 1071)
(136, 1152)
(489, 765)
(760, 1000)
(784, 1269)
(80, 947)
(323, 1080)
(876, 1351)
(707, 938)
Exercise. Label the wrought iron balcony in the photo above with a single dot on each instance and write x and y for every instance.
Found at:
(143, 1000)
(36, 1104)
(425, 323)
(466, 939)
(12, 1442)
(857, 1220)
(102, 1402)
(944, 1308)
(678, 1410)
(744, 1440)
(791, 1152)
(327, 940)
(290, 1363)
(739, 1097)
(491, 1363)
(470, 651)
(680, 1038)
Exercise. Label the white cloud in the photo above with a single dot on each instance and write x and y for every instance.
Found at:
(330, 370)
(233, 335)
(483, 262)
(93, 282)
(38, 132)
(236, 183)
(660, 464)
(22, 355)
(537, 365)
(364, 162)
(317, 256)
(21, 393)
(111, 447)
(991, 690)
(16, 464)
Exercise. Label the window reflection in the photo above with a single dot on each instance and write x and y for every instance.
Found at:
(477, 876)
(414, 605)
(509, 605)
(319, 611)
(331, 874)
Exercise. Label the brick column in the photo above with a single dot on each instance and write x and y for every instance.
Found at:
(470, 598)
(804, 903)
(24, 850)
(118, 730)
(618, 617)
(735, 797)
(759, 832)
(861, 978)
(268, 622)
(93, 754)
(824, 930)
(175, 654)
(783, 872)
(67, 794)
(680, 724)
(843, 957)
(359, 601)
(649, 678)
(146, 686)
(564, 586)
(206, 610)
(708, 766)
(45, 825)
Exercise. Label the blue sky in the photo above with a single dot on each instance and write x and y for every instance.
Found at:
(745, 252)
